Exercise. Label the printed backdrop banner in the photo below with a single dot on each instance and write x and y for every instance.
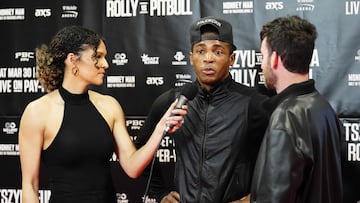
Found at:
(148, 52)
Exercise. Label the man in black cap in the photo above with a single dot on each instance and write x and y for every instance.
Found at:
(217, 145)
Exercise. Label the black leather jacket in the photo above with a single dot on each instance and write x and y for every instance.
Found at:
(217, 145)
(300, 156)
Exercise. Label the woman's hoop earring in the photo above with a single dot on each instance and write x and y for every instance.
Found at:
(75, 71)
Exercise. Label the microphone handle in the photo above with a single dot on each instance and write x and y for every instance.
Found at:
(182, 100)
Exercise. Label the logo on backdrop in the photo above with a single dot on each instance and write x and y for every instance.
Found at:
(119, 59)
(182, 79)
(154, 80)
(122, 198)
(357, 57)
(276, 5)
(150, 60)
(19, 80)
(134, 124)
(352, 7)
(10, 128)
(179, 57)
(352, 137)
(315, 62)
(42, 12)
(148, 199)
(354, 78)
(305, 5)
(12, 14)
(24, 56)
(130, 8)
(230, 7)
(14, 196)
(244, 69)
(120, 81)
(166, 152)
(69, 11)
(9, 149)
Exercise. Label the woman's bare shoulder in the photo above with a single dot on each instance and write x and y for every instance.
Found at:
(43, 103)
(107, 105)
(103, 99)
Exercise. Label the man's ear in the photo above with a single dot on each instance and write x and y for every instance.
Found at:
(232, 59)
(275, 61)
(190, 57)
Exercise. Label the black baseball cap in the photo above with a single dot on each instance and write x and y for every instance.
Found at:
(222, 27)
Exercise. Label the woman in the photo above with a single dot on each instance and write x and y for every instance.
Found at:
(74, 130)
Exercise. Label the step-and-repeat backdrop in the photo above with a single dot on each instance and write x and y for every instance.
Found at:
(148, 46)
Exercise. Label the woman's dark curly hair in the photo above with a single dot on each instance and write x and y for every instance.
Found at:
(50, 58)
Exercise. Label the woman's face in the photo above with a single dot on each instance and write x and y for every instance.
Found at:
(92, 65)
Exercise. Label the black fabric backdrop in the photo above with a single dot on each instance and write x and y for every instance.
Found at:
(148, 45)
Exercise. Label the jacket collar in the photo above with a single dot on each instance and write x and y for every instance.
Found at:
(216, 90)
(297, 89)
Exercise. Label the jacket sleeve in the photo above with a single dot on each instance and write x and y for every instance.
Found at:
(279, 169)
(158, 187)
(258, 120)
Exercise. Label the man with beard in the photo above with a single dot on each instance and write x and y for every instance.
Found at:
(299, 159)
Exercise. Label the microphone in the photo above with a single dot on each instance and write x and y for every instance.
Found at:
(187, 93)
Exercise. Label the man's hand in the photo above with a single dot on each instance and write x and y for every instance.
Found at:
(172, 197)
(245, 199)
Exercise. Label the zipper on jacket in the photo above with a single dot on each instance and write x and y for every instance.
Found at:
(202, 157)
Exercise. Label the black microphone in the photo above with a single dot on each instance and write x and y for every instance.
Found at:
(187, 93)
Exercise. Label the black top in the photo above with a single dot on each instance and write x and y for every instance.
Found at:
(78, 158)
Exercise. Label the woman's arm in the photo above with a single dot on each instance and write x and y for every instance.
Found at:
(30, 146)
(158, 187)
(135, 161)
